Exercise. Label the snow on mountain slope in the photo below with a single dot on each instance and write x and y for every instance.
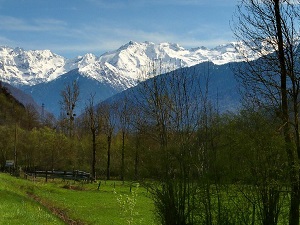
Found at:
(131, 59)
(120, 68)
(19, 67)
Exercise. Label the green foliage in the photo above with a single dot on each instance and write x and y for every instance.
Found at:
(12, 111)
(250, 140)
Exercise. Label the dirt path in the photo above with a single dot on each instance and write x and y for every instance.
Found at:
(56, 211)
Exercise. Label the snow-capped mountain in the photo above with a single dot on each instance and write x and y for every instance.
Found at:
(120, 68)
(132, 59)
(43, 74)
(19, 67)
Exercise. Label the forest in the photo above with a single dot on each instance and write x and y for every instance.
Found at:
(201, 166)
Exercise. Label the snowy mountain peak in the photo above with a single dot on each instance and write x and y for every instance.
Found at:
(86, 60)
(171, 46)
(131, 43)
(198, 48)
(18, 66)
(121, 67)
(127, 45)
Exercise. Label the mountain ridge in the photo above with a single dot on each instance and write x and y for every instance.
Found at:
(43, 74)
(48, 94)
(122, 67)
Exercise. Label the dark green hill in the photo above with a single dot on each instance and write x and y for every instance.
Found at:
(12, 111)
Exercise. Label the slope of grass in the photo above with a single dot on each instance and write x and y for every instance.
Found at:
(113, 203)
(93, 206)
(17, 208)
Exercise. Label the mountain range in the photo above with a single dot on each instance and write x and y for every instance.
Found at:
(43, 74)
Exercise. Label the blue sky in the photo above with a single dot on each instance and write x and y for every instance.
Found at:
(75, 27)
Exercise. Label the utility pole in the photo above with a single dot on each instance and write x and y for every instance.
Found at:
(15, 149)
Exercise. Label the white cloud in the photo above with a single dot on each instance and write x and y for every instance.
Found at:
(108, 4)
(113, 4)
(105, 38)
(12, 23)
(194, 2)
(50, 23)
(6, 41)
(104, 33)
(17, 24)
(99, 38)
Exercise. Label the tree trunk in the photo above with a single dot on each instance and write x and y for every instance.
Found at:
(136, 159)
(295, 201)
(123, 156)
(108, 157)
(136, 164)
(94, 155)
(294, 207)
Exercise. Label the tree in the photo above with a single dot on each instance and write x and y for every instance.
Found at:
(93, 125)
(124, 114)
(70, 97)
(273, 80)
(31, 118)
(139, 128)
(107, 116)
(172, 105)
(249, 138)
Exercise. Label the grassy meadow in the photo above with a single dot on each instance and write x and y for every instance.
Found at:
(37, 202)
(17, 208)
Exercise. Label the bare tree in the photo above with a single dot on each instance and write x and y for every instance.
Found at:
(273, 80)
(124, 115)
(70, 97)
(32, 117)
(107, 114)
(93, 125)
(172, 104)
(139, 127)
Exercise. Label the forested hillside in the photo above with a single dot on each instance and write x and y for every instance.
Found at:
(14, 117)
(13, 112)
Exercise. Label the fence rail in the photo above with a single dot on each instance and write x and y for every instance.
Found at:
(75, 175)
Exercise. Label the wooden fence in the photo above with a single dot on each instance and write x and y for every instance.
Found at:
(75, 175)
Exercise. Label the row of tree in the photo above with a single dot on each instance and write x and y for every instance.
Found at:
(209, 169)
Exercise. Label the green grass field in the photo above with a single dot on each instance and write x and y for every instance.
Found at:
(112, 204)
(17, 208)
(60, 202)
